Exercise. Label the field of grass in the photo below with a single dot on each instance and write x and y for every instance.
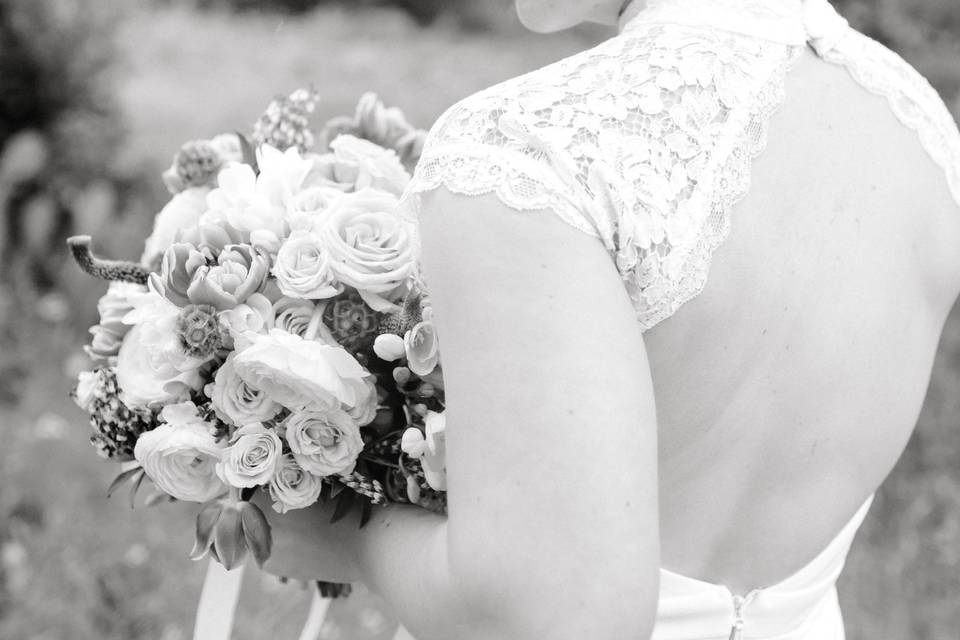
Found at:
(75, 566)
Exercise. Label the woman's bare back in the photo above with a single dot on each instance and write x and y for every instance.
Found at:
(789, 387)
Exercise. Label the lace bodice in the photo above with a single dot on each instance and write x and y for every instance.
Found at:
(645, 141)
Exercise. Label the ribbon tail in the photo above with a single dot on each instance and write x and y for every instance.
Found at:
(218, 603)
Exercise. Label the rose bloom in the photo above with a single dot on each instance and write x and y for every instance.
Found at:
(420, 344)
(251, 460)
(181, 456)
(292, 487)
(368, 243)
(296, 372)
(234, 401)
(152, 367)
(303, 268)
(108, 335)
(182, 212)
(361, 164)
(308, 208)
(324, 442)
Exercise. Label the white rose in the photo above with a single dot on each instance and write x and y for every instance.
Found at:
(182, 212)
(325, 442)
(309, 207)
(152, 367)
(234, 401)
(303, 268)
(251, 460)
(420, 344)
(292, 487)
(368, 243)
(377, 167)
(297, 372)
(181, 455)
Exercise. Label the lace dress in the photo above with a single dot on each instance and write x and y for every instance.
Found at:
(646, 142)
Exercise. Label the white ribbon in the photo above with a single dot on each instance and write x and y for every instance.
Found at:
(218, 602)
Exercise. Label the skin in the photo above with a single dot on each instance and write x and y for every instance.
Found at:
(729, 443)
(548, 16)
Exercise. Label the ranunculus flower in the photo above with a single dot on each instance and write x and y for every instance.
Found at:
(108, 335)
(324, 442)
(182, 212)
(297, 372)
(303, 268)
(152, 367)
(251, 460)
(292, 487)
(240, 272)
(181, 456)
(364, 411)
(369, 244)
(234, 401)
(420, 344)
(254, 316)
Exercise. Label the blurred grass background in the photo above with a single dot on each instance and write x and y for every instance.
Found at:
(94, 100)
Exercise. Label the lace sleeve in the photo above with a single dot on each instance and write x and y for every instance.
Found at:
(475, 151)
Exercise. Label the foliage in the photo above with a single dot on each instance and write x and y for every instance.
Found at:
(58, 126)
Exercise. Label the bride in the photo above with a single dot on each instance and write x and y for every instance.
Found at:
(688, 286)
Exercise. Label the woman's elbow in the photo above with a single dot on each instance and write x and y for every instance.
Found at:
(525, 603)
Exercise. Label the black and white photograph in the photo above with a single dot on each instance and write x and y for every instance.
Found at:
(479, 320)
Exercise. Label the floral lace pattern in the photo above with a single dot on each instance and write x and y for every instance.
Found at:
(646, 141)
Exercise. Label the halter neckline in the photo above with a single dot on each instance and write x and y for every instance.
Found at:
(793, 22)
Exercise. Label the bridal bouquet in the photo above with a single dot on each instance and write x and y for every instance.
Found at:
(272, 337)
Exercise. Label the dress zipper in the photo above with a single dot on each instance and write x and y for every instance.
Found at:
(739, 602)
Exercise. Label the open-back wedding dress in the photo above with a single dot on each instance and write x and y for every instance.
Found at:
(646, 142)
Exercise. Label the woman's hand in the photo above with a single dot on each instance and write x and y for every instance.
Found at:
(306, 546)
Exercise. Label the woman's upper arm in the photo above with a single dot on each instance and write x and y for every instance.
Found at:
(551, 437)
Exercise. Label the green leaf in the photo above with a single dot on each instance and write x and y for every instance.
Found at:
(228, 539)
(122, 478)
(256, 531)
(344, 502)
(249, 153)
(206, 521)
(135, 488)
(366, 513)
(336, 488)
(157, 498)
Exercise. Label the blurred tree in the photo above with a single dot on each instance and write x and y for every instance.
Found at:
(58, 127)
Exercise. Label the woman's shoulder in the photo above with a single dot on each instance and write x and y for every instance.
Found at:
(642, 70)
